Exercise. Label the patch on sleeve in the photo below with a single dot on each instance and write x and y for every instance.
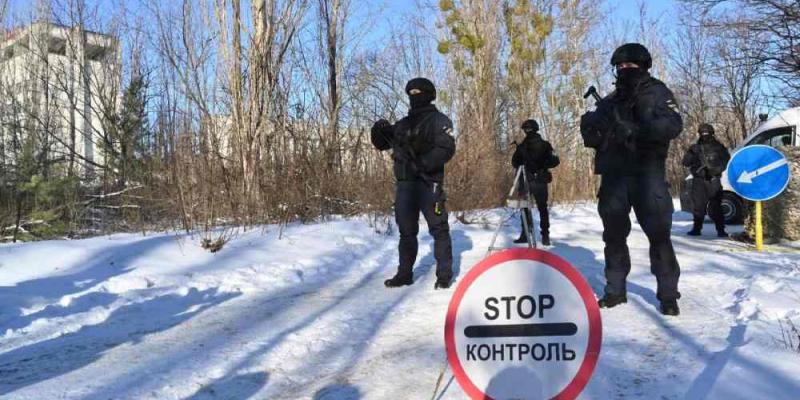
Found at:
(448, 130)
(672, 104)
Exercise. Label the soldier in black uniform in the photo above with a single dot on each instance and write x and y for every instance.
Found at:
(631, 130)
(707, 159)
(421, 144)
(536, 154)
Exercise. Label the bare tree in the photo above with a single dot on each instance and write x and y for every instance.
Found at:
(740, 80)
(774, 27)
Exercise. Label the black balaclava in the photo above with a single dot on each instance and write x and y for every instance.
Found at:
(629, 78)
(530, 127)
(421, 93)
(706, 132)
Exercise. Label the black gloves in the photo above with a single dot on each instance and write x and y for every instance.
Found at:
(593, 129)
(381, 134)
(598, 120)
(380, 126)
(589, 121)
(607, 121)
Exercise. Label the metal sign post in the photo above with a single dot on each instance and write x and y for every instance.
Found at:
(759, 229)
(758, 173)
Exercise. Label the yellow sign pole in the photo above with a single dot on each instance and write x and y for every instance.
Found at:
(759, 230)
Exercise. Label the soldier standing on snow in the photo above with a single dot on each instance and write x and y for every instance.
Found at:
(421, 144)
(631, 130)
(536, 154)
(707, 159)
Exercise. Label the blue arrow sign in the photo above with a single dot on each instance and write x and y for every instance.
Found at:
(758, 172)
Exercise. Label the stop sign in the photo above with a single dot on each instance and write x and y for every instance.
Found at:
(523, 324)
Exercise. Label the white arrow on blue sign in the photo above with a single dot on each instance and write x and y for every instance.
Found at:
(758, 172)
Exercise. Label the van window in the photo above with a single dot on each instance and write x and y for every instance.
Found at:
(776, 137)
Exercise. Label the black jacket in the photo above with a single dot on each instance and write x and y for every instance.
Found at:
(536, 154)
(421, 144)
(707, 158)
(632, 134)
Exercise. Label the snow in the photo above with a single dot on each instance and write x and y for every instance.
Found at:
(304, 315)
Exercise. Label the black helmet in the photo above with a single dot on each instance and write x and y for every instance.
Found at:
(632, 53)
(530, 126)
(705, 129)
(421, 85)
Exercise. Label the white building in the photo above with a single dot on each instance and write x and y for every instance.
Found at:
(217, 132)
(62, 83)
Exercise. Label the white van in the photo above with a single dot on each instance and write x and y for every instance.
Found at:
(780, 130)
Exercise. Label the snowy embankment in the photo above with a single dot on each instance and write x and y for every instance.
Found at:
(307, 317)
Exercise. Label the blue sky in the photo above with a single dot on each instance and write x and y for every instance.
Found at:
(629, 9)
(624, 10)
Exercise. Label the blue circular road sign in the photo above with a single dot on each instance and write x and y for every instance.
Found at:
(758, 172)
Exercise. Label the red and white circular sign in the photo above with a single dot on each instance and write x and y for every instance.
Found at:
(523, 324)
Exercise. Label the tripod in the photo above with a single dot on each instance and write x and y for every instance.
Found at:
(518, 204)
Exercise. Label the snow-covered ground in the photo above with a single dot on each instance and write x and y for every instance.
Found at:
(306, 316)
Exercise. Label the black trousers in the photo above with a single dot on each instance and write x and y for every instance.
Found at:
(651, 202)
(540, 194)
(411, 198)
(707, 197)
